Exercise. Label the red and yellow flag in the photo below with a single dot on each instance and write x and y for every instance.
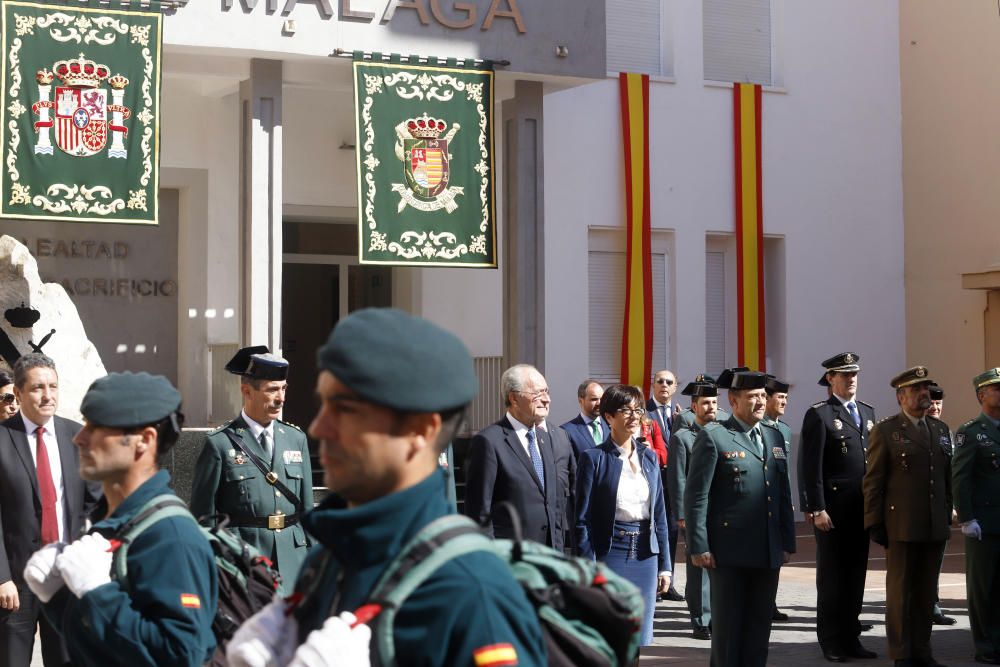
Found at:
(749, 225)
(637, 330)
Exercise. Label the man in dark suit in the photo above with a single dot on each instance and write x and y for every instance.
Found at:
(587, 429)
(663, 411)
(833, 450)
(907, 506)
(738, 512)
(515, 460)
(42, 500)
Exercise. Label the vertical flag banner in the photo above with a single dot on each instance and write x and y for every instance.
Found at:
(749, 225)
(637, 330)
(425, 163)
(80, 112)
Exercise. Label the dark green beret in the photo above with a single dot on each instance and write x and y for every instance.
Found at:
(399, 361)
(126, 400)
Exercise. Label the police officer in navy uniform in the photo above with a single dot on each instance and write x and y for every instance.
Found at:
(834, 444)
(255, 469)
(379, 445)
(738, 514)
(697, 589)
(976, 483)
(908, 505)
(163, 614)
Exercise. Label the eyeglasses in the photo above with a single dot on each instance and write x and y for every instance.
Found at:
(631, 412)
(664, 381)
(532, 395)
(7, 399)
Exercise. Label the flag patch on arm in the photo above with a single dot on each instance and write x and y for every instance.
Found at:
(190, 600)
(495, 655)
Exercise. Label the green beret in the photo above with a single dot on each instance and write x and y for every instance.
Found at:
(911, 376)
(399, 361)
(991, 376)
(127, 400)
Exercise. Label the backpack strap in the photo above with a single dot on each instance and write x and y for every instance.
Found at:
(156, 509)
(437, 543)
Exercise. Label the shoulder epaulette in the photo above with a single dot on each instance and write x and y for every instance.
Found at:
(712, 425)
(885, 419)
(297, 428)
(866, 403)
(969, 423)
(221, 428)
(819, 405)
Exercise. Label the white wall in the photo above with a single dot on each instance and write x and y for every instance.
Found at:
(832, 189)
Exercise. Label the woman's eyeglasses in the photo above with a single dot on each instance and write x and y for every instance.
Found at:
(631, 412)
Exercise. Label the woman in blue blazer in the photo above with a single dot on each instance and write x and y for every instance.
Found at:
(621, 519)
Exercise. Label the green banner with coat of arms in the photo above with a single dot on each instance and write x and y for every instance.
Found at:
(80, 108)
(425, 164)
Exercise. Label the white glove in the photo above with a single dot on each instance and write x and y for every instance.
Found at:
(86, 564)
(972, 529)
(41, 573)
(266, 639)
(336, 644)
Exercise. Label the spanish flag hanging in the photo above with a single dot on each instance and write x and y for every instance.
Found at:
(637, 329)
(749, 225)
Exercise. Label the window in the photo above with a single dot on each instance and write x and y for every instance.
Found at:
(606, 293)
(715, 311)
(633, 37)
(737, 40)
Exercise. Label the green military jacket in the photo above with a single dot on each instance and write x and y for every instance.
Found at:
(227, 482)
(786, 433)
(681, 443)
(685, 419)
(976, 473)
(907, 485)
(738, 505)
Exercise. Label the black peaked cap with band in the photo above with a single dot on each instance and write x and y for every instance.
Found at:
(370, 349)
(702, 387)
(127, 400)
(748, 380)
(776, 386)
(257, 363)
(845, 362)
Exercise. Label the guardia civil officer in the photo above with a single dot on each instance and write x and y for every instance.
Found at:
(907, 492)
(774, 410)
(738, 513)
(697, 590)
(833, 447)
(686, 418)
(162, 614)
(255, 469)
(379, 444)
(976, 482)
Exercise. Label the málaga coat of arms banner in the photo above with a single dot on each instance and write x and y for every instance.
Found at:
(425, 164)
(80, 107)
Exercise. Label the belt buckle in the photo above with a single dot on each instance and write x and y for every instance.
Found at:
(271, 477)
(276, 521)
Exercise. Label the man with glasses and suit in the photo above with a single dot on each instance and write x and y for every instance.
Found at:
(522, 461)
(663, 411)
(42, 501)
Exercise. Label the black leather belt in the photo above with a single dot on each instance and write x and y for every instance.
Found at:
(273, 521)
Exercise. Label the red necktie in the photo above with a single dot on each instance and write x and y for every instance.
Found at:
(47, 490)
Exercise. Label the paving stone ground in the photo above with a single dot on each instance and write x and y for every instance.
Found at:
(794, 641)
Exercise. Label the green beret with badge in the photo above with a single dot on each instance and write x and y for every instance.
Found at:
(989, 377)
(370, 349)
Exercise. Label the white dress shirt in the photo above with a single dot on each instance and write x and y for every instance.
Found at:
(521, 431)
(632, 503)
(55, 465)
(256, 429)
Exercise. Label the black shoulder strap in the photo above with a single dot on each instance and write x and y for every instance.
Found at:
(269, 475)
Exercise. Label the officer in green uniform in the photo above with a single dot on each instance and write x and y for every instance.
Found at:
(255, 469)
(379, 445)
(686, 418)
(907, 494)
(774, 409)
(697, 591)
(976, 481)
(738, 512)
(164, 615)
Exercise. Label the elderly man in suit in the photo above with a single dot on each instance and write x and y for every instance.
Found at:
(42, 501)
(521, 461)
(665, 412)
(738, 513)
(908, 501)
(587, 429)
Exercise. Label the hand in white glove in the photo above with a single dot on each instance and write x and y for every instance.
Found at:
(972, 529)
(86, 564)
(41, 573)
(336, 644)
(266, 639)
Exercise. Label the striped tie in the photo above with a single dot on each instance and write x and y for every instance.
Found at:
(536, 457)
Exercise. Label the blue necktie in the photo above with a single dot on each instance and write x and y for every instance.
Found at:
(853, 409)
(536, 457)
